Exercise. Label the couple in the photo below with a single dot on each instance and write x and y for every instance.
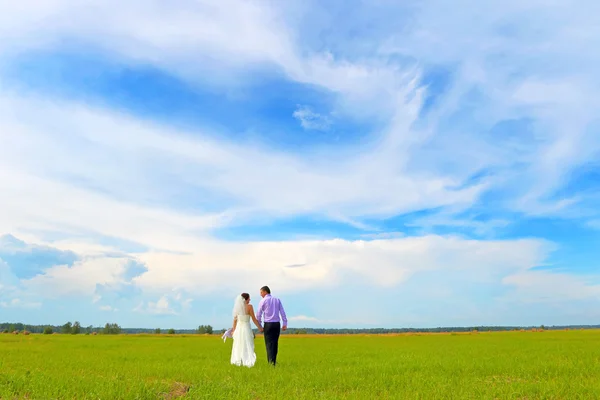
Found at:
(242, 353)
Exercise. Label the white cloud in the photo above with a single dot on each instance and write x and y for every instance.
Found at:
(302, 318)
(159, 307)
(331, 264)
(311, 120)
(420, 271)
(220, 40)
(560, 102)
(80, 279)
(491, 45)
(262, 182)
(292, 267)
(551, 287)
(142, 30)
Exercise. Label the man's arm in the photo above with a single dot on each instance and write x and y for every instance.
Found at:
(260, 310)
(283, 316)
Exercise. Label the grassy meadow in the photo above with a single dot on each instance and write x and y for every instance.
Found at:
(499, 365)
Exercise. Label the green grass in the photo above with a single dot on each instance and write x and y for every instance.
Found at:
(510, 365)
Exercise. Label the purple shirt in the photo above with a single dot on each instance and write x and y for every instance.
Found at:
(272, 308)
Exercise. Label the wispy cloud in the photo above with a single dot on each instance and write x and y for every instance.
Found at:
(595, 224)
(159, 307)
(303, 318)
(262, 181)
(311, 120)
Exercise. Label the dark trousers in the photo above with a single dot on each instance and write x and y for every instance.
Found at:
(272, 332)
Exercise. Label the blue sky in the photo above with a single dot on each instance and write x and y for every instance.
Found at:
(384, 163)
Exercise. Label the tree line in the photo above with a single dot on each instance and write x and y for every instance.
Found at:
(75, 328)
(457, 329)
(68, 328)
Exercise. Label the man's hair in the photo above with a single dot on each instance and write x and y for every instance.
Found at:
(266, 289)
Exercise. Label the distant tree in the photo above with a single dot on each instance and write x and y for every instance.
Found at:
(5, 331)
(111, 329)
(67, 328)
(89, 330)
(205, 329)
(12, 328)
(47, 331)
(171, 331)
(157, 331)
(76, 330)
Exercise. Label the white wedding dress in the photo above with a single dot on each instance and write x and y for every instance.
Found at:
(242, 353)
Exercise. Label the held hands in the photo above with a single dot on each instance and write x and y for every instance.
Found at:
(261, 329)
(284, 328)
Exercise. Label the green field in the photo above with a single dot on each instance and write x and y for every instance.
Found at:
(508, 365)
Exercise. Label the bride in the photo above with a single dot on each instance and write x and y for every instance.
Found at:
(242, 353)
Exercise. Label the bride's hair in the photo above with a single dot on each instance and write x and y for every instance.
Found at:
(240, 306)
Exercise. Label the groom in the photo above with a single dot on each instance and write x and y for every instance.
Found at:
(272, 308)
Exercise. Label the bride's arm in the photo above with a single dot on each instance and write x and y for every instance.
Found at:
(251, 313)
(234, 325)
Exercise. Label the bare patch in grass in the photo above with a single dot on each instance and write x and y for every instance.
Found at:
(177, 390)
